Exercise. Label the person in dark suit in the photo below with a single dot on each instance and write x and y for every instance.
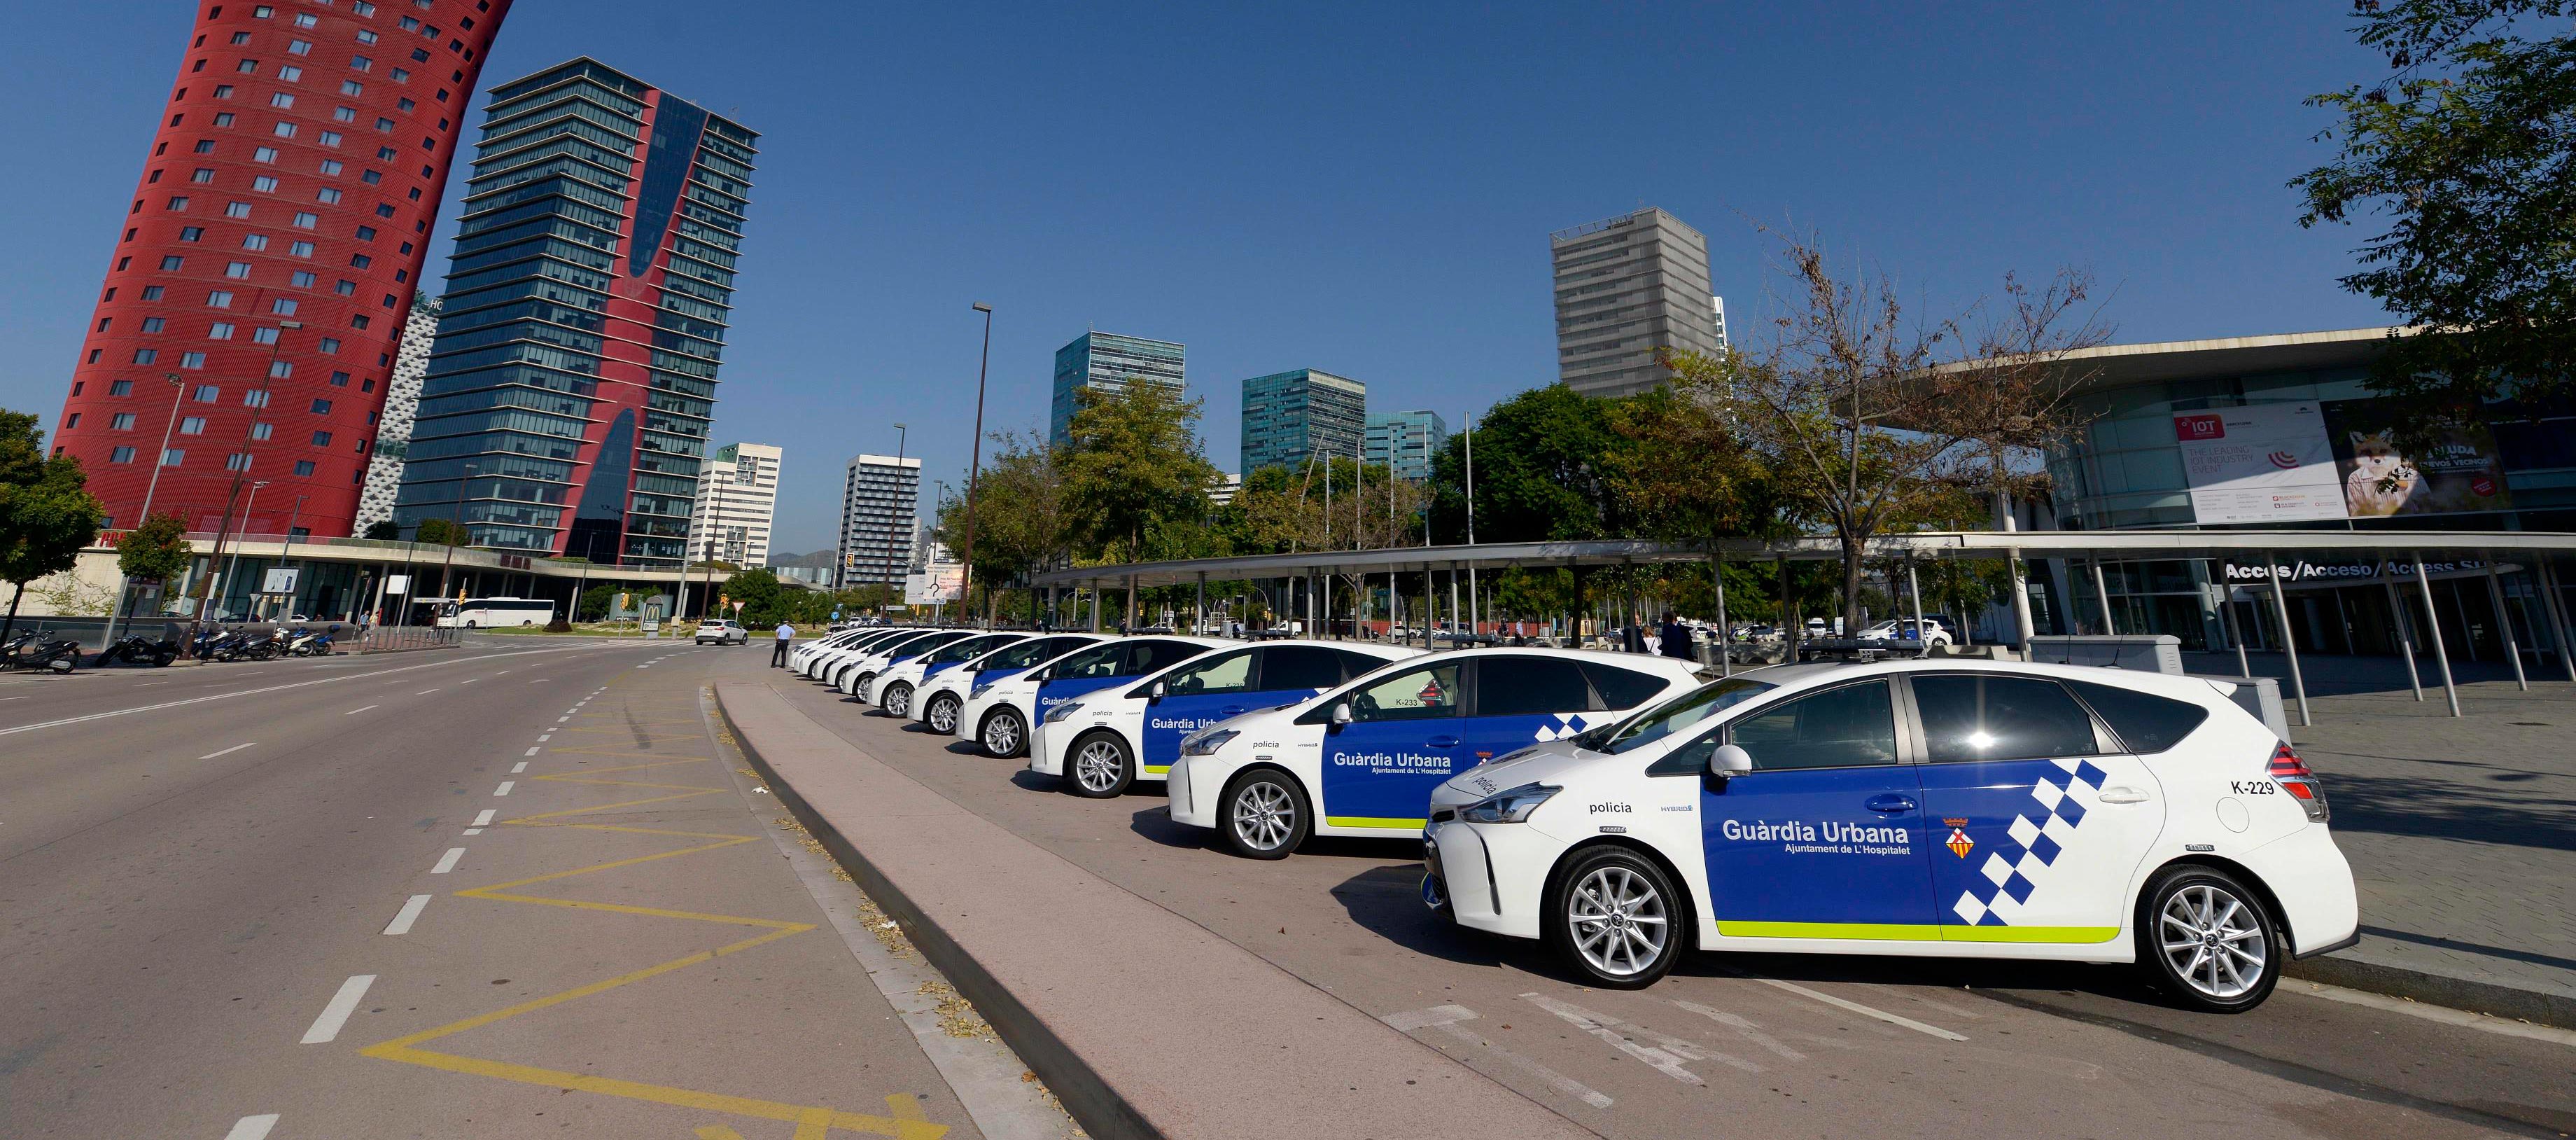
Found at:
(1677, 639)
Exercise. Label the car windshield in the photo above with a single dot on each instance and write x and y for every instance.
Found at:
(1679, 715)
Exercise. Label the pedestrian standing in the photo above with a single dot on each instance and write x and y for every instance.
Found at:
(786, 637)
(1677, 639)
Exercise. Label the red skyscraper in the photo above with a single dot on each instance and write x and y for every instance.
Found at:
(268, 258)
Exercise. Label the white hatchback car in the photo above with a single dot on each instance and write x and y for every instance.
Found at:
(859, 672)
(819, 662)
(1363, 759)
(894, 686)
(940, 705)
(1948, 808)
(999, 715)
(1117, 736)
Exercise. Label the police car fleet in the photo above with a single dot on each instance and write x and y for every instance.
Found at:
(1364, 758)
(891, 688)
(1120, 734)
(804, 654)
(1950, 808)
(818, 665)
(999, 714)
(940, 703)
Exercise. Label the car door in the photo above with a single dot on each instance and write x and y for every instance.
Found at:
(1522, 699)
(1401, 742)
(2042, 820)
(1195, 696)
(1825, 837)
(1107, 665)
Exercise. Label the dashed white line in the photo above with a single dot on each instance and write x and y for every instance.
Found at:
(502, 673)
(505, 787)
(227, 751)
(532, 750)
(407, 915)
(544, 737)
(356, 711)
(424, 692)
(484, 818)
(561, 719)
(447, 862)
(336, 1014)
(469, 680)
(519, 767)
(1863, 1010)
(252, 1127)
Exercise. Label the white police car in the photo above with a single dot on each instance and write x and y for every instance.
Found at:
(856, 674)
(1118, 735)
(1363, 759)
(1950, 808)
(818, 664)
(894, 686)
(940, 703)
(999, 717)
(799, 657)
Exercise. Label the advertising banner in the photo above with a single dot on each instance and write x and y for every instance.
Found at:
(278, 580)
(2459, 473)
(2262, 463)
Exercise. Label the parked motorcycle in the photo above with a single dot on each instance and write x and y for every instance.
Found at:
(136, 649)
(310, 643)
(35, 651)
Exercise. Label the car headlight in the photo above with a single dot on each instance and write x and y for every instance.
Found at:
(1511, 805)
(1062, 711)
(1206, 743)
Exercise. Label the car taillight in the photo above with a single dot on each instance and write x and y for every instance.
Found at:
(2294, 777)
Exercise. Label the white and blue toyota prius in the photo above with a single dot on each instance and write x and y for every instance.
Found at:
(1116, 736)
(1000, 716)
(1950, 808)
(941, 702)
(1363, 758)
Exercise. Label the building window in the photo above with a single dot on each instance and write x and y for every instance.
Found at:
(71, 421)
(170, 263)
(372, 177)
(120, 387)
(280, 369)
(345, 114)
(146, 355)
(360, 62)
(330, 138)
(384, 210)
(338, 379)
(282, 306)
(93, 359)
(345, 287)
(240, 38)
(122, 421)
(401, 76)
(331, 169)
(321, 407)
(205, 146)
(290, 74)
(302, 279)
(285, 130)
(264, 184)
(360, 261)
(405, 105)
(121, 455)
(192, 360)
(366, 233)
(248, 67)
(237, 461)
(321, 439)
(299, 47)
(173, 457)
(202, 174)
(236, 209)
(237, 269)
(330, 346)
(384, 124)
(262, 431)
(352, 88)
(254, 241)
(306, 219)
(358, 322)
(192, 233)
(224, 119)
(281, 99)
(205, 394)
(255, 398)
(303, 466)
(151, 292)
(178, 202)
(152, 324)
(262, 12)
(263, 335)
(193, 425)
(300, 249)
(219, 299)
(328, 196)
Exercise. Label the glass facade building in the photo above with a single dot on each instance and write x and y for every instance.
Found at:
(1108, 360)
(568, 396)
(1628, 288)
(880, 513)
(1407, 442)
(1288, 416)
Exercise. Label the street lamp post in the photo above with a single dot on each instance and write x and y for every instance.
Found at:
(886, 610)
(178, 388)
(234, 563)
(455, 523)
(292, 517)
(975, 455)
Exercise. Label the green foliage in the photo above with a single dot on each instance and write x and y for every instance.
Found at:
(596, 602)
(440, 532)
(1543, 472)
(46, 514)
(1279, 510)
(1686, 472)
(1020, 522)
(2467, 147)
(1135, 482)
(156, 551)
(386, 530)
(764, 601)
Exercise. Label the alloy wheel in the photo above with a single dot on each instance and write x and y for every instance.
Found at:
(898, 700)
(1002, 735)
(2212, 941)
(942, 715)
(1098, 765)
(1264, 816)
(1619, 920)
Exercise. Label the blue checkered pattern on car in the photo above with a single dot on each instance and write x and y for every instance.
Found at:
(2034, 840)
(1567, 725)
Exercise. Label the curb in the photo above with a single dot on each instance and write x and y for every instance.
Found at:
(2535, 1006)
(1089, 1099)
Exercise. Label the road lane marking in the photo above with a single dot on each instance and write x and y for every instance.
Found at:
(250, 693)
(1445, 1018)
(505, 787)
(252, 1127)
(469, 680)
(561, 719)
(484, 818)
(409, 913)
(502, 673)
(1745, 1028)
(447, 862)
(336, 1014)
(532, 750)
(519, 767)
(227, 751)
(356, 711)
(1856, 1007)
(543, 737)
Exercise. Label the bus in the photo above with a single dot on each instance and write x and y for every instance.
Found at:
(485, 613)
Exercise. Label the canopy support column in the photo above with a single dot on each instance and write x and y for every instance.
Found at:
(2433, 622)
(2102, 598)
(2555, 605)
(1725, 631)
(1914, 590)
(2504, 624)
(2405, 636)
(2289, 640)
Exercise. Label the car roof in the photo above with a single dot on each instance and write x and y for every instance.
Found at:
(1808, 675)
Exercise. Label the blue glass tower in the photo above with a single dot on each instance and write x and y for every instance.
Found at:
(1288, 416)
(1108, 360)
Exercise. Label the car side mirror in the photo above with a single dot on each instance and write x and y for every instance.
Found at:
(1341, 714)
(1159, 691)
(1729, 761)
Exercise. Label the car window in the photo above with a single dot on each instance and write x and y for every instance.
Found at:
(1689, 711)
(1155, 656)
(1023, 655)
(1224, 673)
(1414, 694)
(923, 645)
(1690, 758)
(1097, 661)
(2144, 722)
(1520, 685)
(1621, 688)
(1849, 727)
(964, 650)
(1309, 666)
(1970, 718)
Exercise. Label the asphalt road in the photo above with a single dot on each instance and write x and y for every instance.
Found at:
(518, 889)
(1770, 1044)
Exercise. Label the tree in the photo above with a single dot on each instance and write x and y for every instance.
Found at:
(764, 601)
(1688, 473)
(46, 513)
(384, 530)
(156, 551)
(1542, 472)
(2467, 146)
(440, 532)
(1134, 472)
(595, 603)
(1020, 522)
(1870, 421)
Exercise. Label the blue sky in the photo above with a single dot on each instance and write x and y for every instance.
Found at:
(1365, 189)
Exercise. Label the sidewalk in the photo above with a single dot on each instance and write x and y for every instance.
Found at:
(1147, 1024)
(2461, 832)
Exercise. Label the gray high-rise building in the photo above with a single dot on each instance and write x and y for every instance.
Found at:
(1627, 287)
(1108, 360)
(1288, 416)
(1407, 441)
(880, 508)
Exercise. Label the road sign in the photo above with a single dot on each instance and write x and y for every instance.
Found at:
(397, 583)
(279, 580)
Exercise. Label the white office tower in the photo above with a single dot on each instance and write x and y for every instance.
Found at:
(402, 402)
(1627, 288)
(880, 507)
(737, 500)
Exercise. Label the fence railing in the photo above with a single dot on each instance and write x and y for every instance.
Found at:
(396, 638)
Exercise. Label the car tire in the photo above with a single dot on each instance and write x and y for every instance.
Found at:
(1615, 918)
(897, 700)
(1099, 766)
(2199, 930)
(1004, 734)
(1264, 815)
(941, 714)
